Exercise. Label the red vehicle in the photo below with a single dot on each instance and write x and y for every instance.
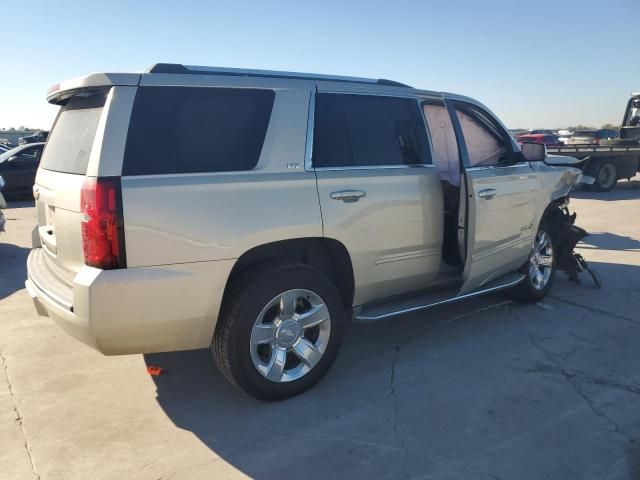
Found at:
(549, 140)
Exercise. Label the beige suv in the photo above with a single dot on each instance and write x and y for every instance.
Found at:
(256, 212)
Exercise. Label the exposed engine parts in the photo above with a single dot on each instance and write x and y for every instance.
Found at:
(567, 236)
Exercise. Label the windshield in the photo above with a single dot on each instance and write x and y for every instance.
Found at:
(70, 141)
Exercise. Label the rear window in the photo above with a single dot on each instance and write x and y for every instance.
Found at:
(70, 141)
(362, 130)
(190, 130)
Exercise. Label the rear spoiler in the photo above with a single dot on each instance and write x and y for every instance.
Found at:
(59, 92)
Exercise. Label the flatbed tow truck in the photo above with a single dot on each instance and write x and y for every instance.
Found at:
(612, 160)
(605, 163)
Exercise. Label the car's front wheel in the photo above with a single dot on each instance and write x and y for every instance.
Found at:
(540, 269)
(279, 331)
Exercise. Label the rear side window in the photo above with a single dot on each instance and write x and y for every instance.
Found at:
(70, 141)
(190, 130)
(363, 130)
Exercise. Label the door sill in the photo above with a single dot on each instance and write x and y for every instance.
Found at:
(382, 311)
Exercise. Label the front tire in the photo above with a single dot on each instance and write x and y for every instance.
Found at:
(539, 270)
(279, 331)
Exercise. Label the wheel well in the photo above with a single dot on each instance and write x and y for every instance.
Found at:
(555, 203)
(327, 255)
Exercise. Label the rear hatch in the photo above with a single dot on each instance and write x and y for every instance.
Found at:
(58, 190)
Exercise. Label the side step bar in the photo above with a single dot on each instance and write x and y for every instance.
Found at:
(415, 304)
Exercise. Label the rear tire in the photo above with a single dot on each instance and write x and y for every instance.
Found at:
(279, 330)
(539, 270)
(605, 174)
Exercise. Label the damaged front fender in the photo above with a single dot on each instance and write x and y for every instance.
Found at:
(559, 176)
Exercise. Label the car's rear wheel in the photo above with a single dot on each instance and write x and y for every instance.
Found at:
(539, 270)
(279, 331)
(605, 175)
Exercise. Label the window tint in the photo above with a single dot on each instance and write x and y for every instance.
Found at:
(484, 141)
(28, 156)
(362, 130)
(443, 140)
(69, 144)
(190, 130)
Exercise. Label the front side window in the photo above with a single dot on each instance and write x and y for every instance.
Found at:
(177, 130)
(364, 130)
(486, 145)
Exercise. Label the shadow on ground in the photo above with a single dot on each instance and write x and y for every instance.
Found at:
(22, 201)
(486, 389)
(13, 268)
(610, 241)
(624, 190)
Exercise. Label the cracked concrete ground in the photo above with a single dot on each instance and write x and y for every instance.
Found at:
(487, 389)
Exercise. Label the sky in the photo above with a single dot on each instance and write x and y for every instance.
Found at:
(535, 64)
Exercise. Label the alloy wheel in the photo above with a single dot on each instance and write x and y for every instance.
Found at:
(541, 261)
(290, 335)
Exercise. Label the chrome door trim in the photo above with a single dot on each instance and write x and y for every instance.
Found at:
(371, 167)
(493, 167)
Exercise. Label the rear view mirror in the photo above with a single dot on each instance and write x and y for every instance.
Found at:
(534, 152)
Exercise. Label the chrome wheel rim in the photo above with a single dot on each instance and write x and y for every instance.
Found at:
(541, 261)
(290, 335)
(606, 176)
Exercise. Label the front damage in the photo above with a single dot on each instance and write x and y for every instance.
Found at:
(559, 178)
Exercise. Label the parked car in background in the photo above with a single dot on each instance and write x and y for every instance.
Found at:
(545, 139)
(40, 136)
(3, 205)
(4, 148)
(591, 137)
(538, 131)
(352, 211)
(18, 166)
(564, 135)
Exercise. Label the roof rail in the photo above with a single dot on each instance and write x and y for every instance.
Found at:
(177, 68)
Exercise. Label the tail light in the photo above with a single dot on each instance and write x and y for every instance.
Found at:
(596, 140)
(102, 223)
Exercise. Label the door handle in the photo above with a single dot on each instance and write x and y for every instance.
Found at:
(487, 193)
(348, 196)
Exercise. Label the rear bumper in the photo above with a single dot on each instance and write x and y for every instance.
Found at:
(135, 310)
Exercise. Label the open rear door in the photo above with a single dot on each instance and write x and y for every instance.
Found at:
(499, 211)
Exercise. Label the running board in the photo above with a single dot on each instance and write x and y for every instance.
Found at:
(392, 309)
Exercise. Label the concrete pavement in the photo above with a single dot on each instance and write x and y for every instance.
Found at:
(487, 389)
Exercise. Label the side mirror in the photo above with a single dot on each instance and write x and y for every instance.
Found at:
(534, 152)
